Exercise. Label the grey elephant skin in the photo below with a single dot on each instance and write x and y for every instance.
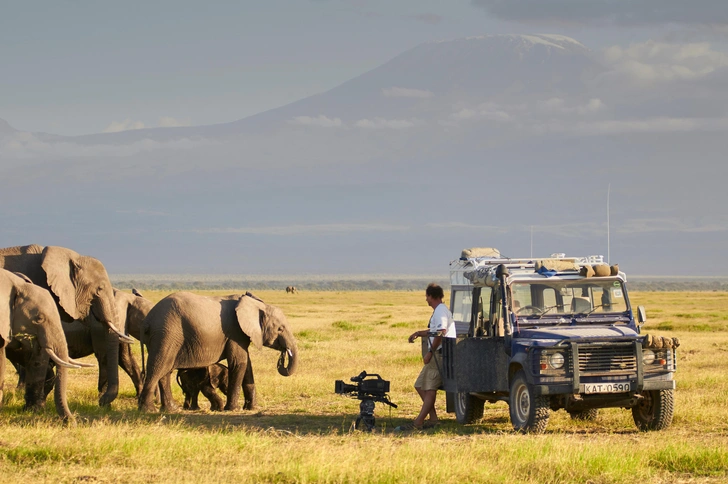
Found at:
(205, 380)
(29, 317)
(82, 341)
(82, 290)
(185, 330)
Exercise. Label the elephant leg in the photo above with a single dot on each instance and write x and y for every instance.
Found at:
(112, 369)
(21, 375)
(165, 390)
(130, 367)
(50, 380)
(216, 403)
(237, 358)
(2, 375)
(249, 388)
(36, 371)
(108, 360)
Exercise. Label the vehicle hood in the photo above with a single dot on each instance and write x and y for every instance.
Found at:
(576, 332)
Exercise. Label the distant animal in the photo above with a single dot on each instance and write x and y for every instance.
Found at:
(291, 289)
(206, 380)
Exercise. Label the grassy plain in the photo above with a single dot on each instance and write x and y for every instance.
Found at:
(302, 431)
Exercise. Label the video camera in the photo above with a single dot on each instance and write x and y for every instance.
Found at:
(369, 388)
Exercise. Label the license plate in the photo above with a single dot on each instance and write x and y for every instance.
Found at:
(606, 387)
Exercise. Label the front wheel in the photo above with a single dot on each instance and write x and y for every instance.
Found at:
(468, 409)
(654, 411)
(529, 413)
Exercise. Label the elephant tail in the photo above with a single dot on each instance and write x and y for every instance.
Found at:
(143, 373)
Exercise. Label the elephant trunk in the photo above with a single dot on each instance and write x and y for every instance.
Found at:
(59, 390)
(292, 352)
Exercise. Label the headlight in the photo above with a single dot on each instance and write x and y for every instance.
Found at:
(556, 360)
(648, 357)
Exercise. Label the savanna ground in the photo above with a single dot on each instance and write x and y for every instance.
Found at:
(303, 432)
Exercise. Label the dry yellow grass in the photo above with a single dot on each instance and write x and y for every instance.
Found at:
(302, 430)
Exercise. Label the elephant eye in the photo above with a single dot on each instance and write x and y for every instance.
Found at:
(39, 319)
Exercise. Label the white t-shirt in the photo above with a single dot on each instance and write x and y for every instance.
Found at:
(442, 319)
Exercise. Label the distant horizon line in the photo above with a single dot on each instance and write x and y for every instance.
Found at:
(344, 276)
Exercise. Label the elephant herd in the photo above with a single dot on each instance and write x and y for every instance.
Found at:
(57, 306)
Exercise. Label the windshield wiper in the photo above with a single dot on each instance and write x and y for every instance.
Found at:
(586, 315)
(545, 310)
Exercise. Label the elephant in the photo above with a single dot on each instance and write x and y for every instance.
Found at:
(186, 330)
(205, 380)
(29, 320)
(131, 308)
(82, 290)
(291, 289)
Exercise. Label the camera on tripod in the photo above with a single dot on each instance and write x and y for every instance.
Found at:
(369, 388)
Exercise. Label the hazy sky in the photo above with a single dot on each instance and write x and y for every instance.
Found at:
(81, 66)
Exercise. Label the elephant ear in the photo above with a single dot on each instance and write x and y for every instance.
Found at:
(59, 266)
(7, 302)
(250, 313)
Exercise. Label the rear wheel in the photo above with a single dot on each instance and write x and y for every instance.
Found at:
(468, 409)
(590, 414)
(654, 411)
(529, 413)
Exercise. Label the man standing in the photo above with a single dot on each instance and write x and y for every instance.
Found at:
(430, 379)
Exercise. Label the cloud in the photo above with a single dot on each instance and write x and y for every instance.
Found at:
(127, 124)
(428, 18)
(558, 105)
(316, 229)
(320, 120)
(609, 12)
(617, 126)
(381, 123)
(170, 122)
(486, 111)
(24, 146)
(406, 92)
(652, 62)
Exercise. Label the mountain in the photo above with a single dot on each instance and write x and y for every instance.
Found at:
(474, 141)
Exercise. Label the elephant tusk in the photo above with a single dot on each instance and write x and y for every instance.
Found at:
(122, 337)
(59, 361)
(76, 362)
(290, 353)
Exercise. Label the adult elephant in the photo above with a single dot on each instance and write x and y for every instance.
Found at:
(82, 341)
(82, 290)
(185, 330)
(29, 319)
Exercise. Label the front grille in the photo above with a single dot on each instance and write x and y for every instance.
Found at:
(607, 359)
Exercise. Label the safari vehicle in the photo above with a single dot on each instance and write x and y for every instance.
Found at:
(544, 335)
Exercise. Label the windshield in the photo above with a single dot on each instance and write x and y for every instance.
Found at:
(567, 297)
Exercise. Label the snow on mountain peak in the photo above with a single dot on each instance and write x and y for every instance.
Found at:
(555, 41)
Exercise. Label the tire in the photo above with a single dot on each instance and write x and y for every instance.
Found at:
(655, 410)
(589, 415)
(468, 409)
(529, 413)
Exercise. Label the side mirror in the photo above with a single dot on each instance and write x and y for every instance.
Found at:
(641, 315)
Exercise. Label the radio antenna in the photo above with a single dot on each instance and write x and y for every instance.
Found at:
(531, 241)
(609, 189)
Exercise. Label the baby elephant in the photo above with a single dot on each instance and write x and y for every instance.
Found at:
(205, 380)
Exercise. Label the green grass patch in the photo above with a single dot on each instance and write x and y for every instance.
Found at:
(345, 326)
(692, 460)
